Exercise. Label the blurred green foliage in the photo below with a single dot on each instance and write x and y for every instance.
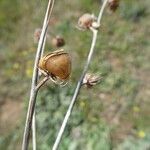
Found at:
(108, 116)
(132, 144)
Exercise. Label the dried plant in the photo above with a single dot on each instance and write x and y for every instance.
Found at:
(86, 25)
(90, 80)
(35, 86)
(86, 21)
(56, 65)
(59, 73)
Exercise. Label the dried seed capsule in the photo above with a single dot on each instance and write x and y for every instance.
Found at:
(86, 20)
(57, 64)
(58, 41)
(113, 5)
(91, 80)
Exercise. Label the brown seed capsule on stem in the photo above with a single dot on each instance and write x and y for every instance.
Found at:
(86, 21)
(91, 80)
(58, 41)
(113, 4)
(57, 64)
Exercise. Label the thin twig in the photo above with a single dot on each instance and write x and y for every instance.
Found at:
(42, 82)
(34, 131)
(46, 22)
(101, 12)
(33, 93)
(79, 84)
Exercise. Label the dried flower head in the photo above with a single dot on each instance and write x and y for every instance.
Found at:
(113, 4)
(86, 21)
(58, 41)
(37, 34)
(56, 64)
(91, 80)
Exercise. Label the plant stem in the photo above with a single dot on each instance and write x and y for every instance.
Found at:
(34, 131)
(101, 11)
(42, 82)
(79, 84)
(33, 93)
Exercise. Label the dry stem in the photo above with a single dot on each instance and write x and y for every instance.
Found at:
(34, 91)
(79, 84)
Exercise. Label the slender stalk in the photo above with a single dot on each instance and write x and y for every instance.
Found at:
(33, 93)
(34, 118)
(46, 21)
(34, 132)
(101, 11)
(34, 114)
(42, 83)
(79, 84)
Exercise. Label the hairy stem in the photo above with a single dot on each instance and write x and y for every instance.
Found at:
(79, 84)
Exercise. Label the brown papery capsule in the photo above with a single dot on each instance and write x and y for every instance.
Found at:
(86, 20)
(113, 5)
(91, 79)
(57, 64)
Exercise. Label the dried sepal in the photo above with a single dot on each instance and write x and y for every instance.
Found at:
(113, 4)
(86, 21)
(91, 80)
(57, 65)
(58, 41)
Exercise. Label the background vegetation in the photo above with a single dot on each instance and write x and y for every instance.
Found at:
(112, 115)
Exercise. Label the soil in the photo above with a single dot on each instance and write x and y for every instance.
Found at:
(10, 113)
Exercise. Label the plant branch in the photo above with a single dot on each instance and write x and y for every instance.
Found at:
(46, 22)
(42, 82)
(33, 92)
(79, 84)
(34, 131)
(101, 12)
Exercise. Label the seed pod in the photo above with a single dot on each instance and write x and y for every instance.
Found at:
(113, 5)
(58, 41)
(57, 64)
(86, 20)
(91, 80)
